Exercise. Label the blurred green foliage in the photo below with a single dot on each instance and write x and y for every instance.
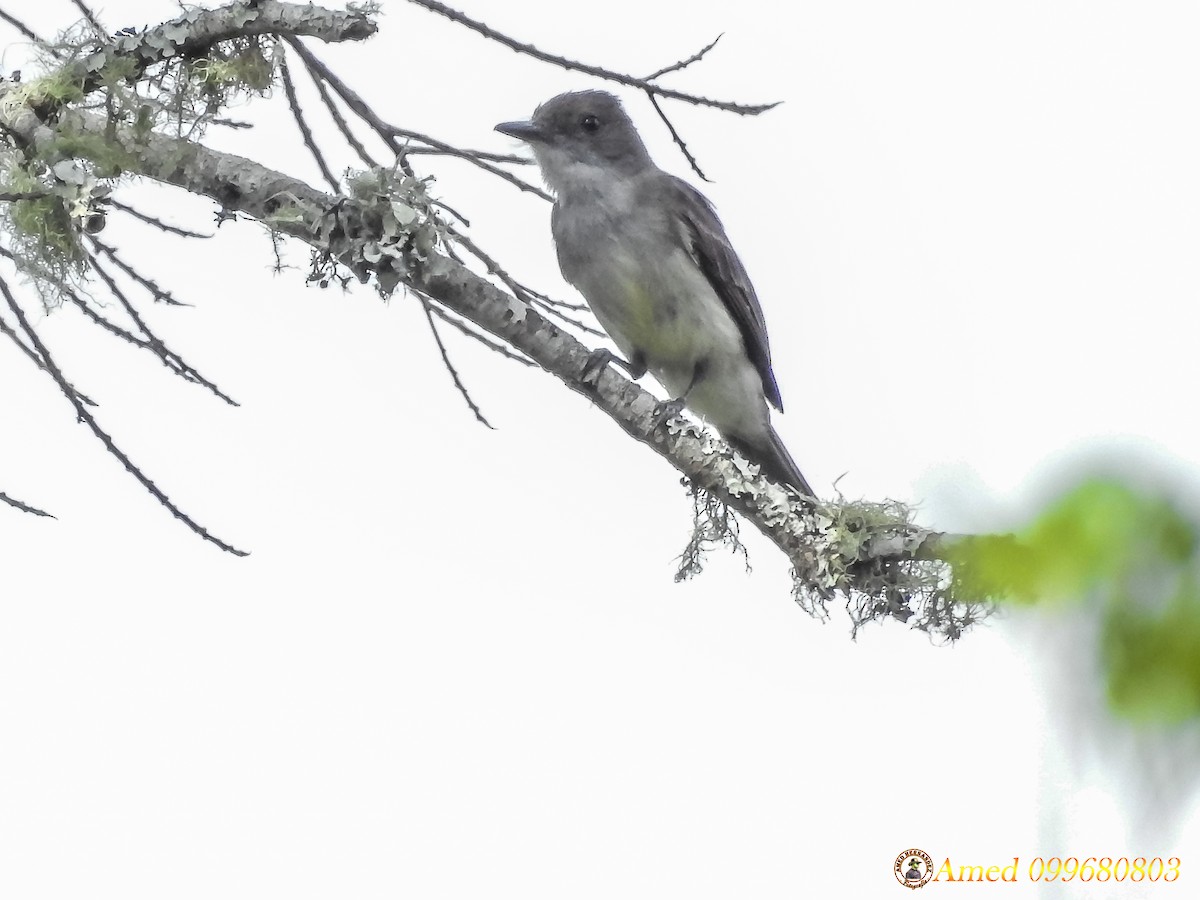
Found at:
(1132, 557)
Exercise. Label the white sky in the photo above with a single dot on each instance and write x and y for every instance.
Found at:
(973, 228)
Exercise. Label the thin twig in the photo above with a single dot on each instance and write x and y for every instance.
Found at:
(170, 360)
(596, 71)
(9, 332)
(157, 223)
(494, 346)
(289, 89)
(24, 507)
(676, 138)
(87, 418)
(571, 320)
(166, 355)
(340, 121)
(519, 290)
(684, 63)
(388, 133)
(13, 196)
(91, 18)
(21, 27)
(112, 327)
(441, 204)
(160, 295)
(458, 383)
(437, 148)
(561, 304)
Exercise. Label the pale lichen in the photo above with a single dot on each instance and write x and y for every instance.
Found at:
(385, 226)
(137, 80)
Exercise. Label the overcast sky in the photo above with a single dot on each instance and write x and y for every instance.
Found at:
(974, 230)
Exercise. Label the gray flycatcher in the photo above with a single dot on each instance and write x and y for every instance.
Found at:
(651, 258)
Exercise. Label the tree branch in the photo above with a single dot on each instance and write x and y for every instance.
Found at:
(105, 438)
(24, 507)
(825, 555)
(195, 31)
(684, 63)
(25, 30)
(393, 135)
(563, 62)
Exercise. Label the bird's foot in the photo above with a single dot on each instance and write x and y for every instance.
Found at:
(668, 409)
(597, 362)
(600, 358)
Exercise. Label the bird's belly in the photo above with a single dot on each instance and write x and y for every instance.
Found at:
(664, 309)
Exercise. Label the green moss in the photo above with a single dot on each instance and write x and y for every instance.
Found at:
(108, 158)
(118, 71)
(55, 89)
(246, 68)
(41, 224)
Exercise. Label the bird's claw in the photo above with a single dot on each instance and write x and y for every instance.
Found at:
(597, 362)
(666, 410)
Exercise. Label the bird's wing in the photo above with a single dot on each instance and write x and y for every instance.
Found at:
(704, 237)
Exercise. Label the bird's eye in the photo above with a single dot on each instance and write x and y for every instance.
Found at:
(590, 124)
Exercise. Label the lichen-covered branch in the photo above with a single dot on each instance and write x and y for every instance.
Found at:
(192, 33)
(869, 552)
(162, 86)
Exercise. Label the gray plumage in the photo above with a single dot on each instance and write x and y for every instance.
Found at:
(651, 258)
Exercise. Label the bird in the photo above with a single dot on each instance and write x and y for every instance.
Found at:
(650, 256)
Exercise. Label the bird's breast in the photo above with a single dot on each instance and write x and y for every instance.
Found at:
(646, 290)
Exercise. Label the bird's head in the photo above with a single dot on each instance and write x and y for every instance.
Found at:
(581, 135)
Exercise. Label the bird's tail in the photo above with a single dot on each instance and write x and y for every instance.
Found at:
(777, 464)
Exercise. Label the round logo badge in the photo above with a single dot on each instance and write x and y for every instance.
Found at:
(914, 868)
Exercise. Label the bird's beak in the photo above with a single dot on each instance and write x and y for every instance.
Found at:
(523, 131)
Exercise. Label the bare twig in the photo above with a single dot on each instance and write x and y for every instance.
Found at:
(157, 223)
(289, 90)
(160, 295)
(553, 307)
(340, 121)
(13, 196)
(24, 507)
(151, 342)
(87, 418)
(441, 204)
(676, 137)
(458, 382)
(596, 71)
(390, 134)
(21, 27)
(684, 63)
(494, 346)
(111, 327)
(561, 316)
(9, 332)
(560, 304)
(91, 18)
(438, 148)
